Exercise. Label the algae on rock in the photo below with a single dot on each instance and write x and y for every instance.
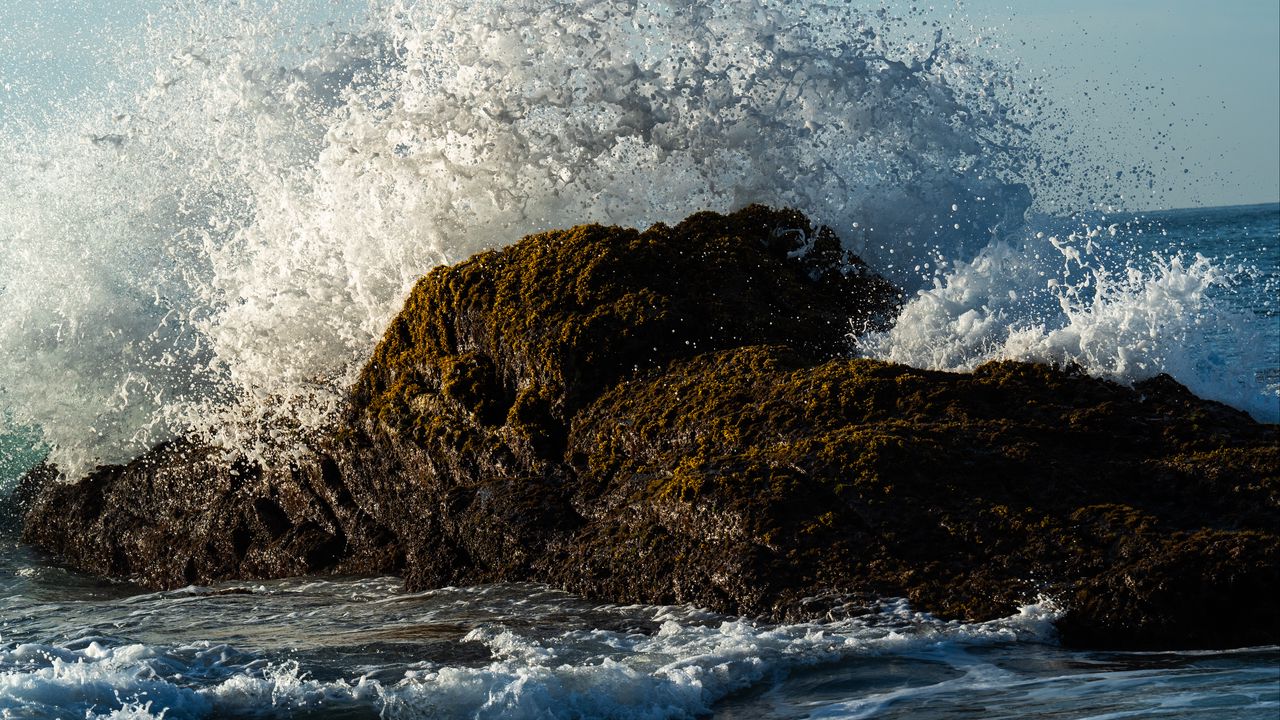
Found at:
(671, 416)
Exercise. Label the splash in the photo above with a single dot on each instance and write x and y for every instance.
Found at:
(214, 242)
(1108, 300)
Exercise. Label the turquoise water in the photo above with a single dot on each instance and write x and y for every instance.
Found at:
(19, 451)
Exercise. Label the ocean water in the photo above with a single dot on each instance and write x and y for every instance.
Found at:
(1192, 293)
(76, 647)
(73, 646)
(210, 237)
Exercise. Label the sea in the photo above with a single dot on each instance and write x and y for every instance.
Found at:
(210, 232)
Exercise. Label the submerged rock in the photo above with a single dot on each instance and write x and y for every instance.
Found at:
(671, 416)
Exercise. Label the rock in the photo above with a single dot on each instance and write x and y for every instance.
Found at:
(463, 412)
(183, 514)
(671, 416)
(752, 478)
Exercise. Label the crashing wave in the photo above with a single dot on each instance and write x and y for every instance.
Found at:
(213, 243)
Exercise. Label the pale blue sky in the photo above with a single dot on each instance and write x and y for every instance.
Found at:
(1214, 70)
(1206, 74)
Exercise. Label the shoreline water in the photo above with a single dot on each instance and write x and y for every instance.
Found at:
(207, 238)
(335, 647)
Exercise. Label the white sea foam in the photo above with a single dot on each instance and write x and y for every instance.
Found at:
(217, 241)
(1086, 296)
(680, 671)
(338, 648)
(214, 242)
(93, 682)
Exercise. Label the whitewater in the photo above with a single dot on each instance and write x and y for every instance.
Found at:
(211, 242)
(338, 648)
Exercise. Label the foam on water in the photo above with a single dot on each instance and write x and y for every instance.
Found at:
(362, 649)
(681, 668)
(75, 646)
(1099, 296)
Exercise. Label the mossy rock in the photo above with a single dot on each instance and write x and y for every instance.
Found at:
(671, 415)
(528, 334)
(970, 494)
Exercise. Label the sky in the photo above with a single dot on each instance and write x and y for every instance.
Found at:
(1187, 88)
(1207, 74)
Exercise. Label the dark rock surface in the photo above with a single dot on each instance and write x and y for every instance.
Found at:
(751, 478)
(668, 416)
(182, 514)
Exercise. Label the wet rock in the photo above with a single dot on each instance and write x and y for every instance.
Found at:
(671, 416)
(751, 478)
(463, 412)
(183, 514)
